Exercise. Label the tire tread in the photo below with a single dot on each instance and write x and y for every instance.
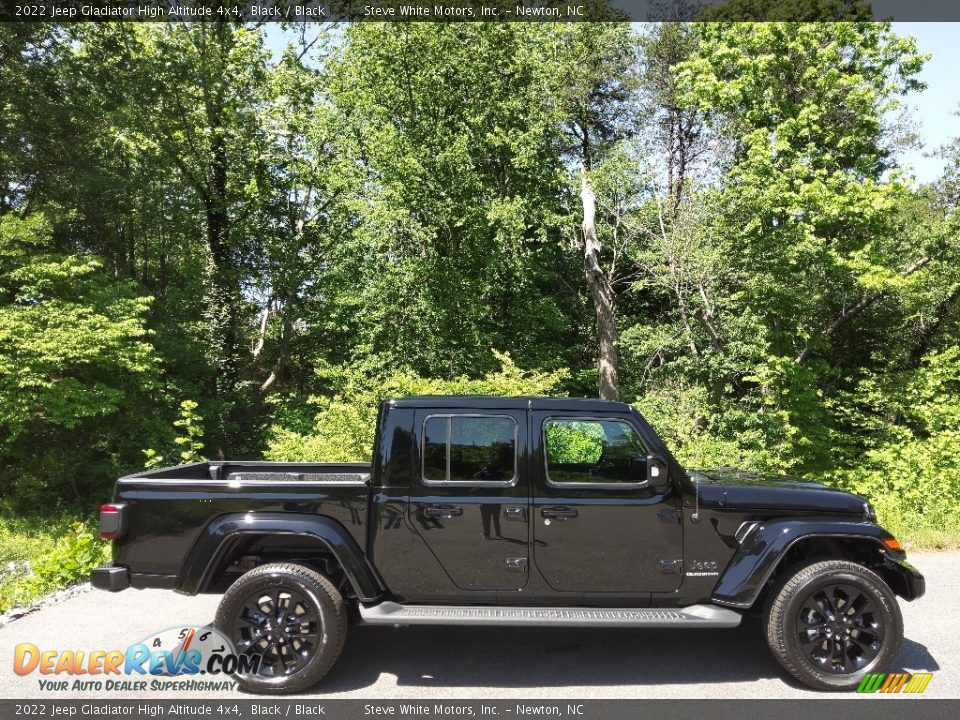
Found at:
(775, 625)
(337, 633)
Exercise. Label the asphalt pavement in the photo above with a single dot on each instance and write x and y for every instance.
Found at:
(434, 663)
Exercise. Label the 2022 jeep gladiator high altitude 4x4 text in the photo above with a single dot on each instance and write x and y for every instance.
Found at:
(512, 511)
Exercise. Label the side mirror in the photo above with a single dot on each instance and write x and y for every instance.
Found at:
(657, 472)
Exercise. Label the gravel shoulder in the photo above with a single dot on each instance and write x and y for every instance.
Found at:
(468, 662)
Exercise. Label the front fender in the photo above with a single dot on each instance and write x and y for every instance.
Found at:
(218, 537)
(764, 547)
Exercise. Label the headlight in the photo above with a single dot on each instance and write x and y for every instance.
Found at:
(869, 514)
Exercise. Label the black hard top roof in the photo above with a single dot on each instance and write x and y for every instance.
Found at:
(488, 402)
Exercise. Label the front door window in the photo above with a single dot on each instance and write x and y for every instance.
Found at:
(582, 452)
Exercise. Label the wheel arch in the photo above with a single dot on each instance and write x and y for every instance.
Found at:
(773, 547)
(228, 535)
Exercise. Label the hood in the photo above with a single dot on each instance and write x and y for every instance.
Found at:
(737, 489)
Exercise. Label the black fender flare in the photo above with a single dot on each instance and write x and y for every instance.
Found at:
(218, 537)
(764, 547)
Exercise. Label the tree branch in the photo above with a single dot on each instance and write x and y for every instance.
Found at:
(929, 333)
(856, 309)
(262, 334)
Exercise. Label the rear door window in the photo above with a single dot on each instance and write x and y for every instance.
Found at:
(469, 450)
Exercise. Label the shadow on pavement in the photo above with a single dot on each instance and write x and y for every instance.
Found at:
(549, 657)
(914, 656)
(556, 657)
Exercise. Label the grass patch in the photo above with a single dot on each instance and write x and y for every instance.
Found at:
(930, 539)
(936, 528)
(27, 538)
(923, 536)
(60, 547)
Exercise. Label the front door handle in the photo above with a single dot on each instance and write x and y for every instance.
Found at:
(559, 513)
(442, 511)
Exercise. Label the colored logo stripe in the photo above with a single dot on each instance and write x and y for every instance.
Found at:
(918, 683)
(894, 683)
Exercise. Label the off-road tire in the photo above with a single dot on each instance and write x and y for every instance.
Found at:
(309, 588)
(783, 623)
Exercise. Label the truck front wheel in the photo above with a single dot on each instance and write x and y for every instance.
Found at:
(289, 616)
(833, 622)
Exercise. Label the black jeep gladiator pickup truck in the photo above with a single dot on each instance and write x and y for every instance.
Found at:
(512, 511)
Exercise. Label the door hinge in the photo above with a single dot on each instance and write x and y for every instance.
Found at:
(674, 567)
(515, 564)
(669, 515)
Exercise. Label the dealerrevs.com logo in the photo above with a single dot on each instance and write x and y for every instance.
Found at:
(185, 658)
(894, 683)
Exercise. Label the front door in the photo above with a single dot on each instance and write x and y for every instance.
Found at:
(599, 526)
(469, 498)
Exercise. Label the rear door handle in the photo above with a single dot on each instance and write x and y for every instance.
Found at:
(559, 513)
(442, 511)
(516, 513)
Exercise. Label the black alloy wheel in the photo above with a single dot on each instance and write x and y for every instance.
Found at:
(832, 622)
(281, 626)
(290, 616)
(841, 629)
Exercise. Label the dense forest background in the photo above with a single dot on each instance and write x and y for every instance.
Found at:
(209, 248)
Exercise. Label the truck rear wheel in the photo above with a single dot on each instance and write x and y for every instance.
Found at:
(833, 622)
(290, 616)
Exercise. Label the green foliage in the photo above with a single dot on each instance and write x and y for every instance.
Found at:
(189, 439)
(912, 472)
(74, 358)
(68, 336)
(458, 210)
(762, 282)
(574, 442)
(289, 238)
(345, 423)
(792, 300)
(805, 203)
(24, 536)
(59, 559)
(71, 558)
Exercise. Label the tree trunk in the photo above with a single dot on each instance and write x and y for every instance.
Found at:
(601, 293)
(224, 305)
(225, 299)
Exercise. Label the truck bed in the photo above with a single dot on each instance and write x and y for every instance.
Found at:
(258, 471)
(168, 511)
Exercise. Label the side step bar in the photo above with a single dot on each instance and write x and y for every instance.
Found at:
(703, 616)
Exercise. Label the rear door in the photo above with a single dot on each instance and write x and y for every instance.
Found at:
(470, 495)
(598, 525)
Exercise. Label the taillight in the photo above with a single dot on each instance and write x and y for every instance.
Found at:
(111, 520)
